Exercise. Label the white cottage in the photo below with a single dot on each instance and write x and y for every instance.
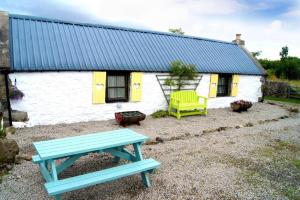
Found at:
(73, 72)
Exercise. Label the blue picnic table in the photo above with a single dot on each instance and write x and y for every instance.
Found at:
(70, 149)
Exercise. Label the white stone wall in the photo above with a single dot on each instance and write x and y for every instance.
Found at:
(66, 97)
(249, 89)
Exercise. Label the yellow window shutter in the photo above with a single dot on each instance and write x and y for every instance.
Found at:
(213, 85)
(235, 85)
(136, 86)
(99, 85)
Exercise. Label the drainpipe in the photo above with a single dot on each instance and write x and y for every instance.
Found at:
(8, 98)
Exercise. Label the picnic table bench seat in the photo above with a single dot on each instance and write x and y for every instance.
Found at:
(106, 175)
(187, 102)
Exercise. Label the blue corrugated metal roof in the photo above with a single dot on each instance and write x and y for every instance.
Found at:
(39, 44)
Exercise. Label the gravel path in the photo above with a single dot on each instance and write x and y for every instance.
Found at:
(223, 155)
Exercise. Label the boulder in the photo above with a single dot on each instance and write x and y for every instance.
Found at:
(10, 130)
(17, 116)
(8, 150)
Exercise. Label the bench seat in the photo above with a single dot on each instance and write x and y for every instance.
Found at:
(82, 181)
(36, 159)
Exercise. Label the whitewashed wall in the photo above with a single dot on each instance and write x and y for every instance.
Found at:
(249, 89)
(66, 97)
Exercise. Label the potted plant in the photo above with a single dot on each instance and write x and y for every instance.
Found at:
(240, 105)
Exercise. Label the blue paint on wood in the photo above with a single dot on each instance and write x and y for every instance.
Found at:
(65, 147)
(82, 181)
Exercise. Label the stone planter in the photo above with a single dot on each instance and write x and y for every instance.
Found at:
(241, 105)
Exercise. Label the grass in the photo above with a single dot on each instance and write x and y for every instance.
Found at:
(296, 163)
(281, 99)
(160, 114)
(292, 193)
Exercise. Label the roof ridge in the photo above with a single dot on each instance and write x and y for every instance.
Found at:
(28, 17)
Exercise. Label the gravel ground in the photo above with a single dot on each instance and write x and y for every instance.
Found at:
(223, 155)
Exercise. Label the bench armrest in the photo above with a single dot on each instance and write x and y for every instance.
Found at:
(175, 99)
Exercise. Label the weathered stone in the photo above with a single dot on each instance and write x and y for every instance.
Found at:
(293, 109)
(9, 167)
(151, 142)
(4, 41)
(17, 116)
(8, 150)
(159, 139)
(10, 130)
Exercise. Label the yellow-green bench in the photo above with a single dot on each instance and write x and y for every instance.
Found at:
(187, 102)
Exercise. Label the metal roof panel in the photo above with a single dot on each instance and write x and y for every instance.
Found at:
(39, 44)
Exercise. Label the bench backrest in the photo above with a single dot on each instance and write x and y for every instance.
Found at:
(186, 96)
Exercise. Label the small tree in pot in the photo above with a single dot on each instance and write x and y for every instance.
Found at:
(181, 74)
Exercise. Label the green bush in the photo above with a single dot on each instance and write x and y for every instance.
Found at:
(160, 114)
(2, 130)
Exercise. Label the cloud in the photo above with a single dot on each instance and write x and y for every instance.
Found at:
(275, 25)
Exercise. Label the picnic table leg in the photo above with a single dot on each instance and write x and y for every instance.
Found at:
(139, 156)
(54, 176)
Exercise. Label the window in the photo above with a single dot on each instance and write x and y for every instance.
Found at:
(224, 85)
(117, 87)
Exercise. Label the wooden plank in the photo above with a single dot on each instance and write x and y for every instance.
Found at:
(36, 159)
(73, 150)
(90, 141)
(102, 135)
(139, 157)
(121, 154)
(67, 163)
(82, 144)
(53, 170)
(44, 171)
(82, 181)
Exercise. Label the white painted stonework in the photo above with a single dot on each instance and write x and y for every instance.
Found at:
(66, 97)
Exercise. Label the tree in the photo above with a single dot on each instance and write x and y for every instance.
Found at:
(284, 52)
(286, 68)
(255, 54)
(176, 31)
(181, 74)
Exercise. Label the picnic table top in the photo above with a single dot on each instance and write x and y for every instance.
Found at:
(58, 148)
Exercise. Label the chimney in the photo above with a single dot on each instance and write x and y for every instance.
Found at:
(238, 39)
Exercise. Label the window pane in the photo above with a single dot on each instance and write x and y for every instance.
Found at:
(120, 81)
(221, 90)
(111, 81)
(116, 93)
(116, 81)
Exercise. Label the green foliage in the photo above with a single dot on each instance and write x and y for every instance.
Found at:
(176, 31)
(160, 114)
(2, 130)
(287, 100)
(284, 52)
(255, 54)
(285, 68)
(181, 73)
(296, 163)
(292, 193)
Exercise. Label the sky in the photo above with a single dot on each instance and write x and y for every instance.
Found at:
(265, 25)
